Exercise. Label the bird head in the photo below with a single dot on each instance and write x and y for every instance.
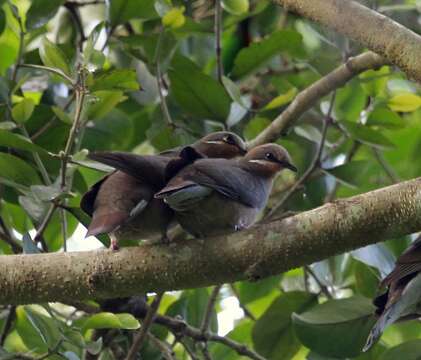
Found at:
(221, 144)
(268, 159)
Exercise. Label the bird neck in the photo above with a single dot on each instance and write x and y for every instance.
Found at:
(263, 170)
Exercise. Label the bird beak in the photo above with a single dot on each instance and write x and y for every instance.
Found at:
(290, 166)
(243, 149)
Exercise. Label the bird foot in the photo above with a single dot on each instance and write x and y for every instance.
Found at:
(114, 243)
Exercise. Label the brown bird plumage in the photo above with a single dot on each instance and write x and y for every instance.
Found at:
(397, 301)
(122, 203)
(217, 196)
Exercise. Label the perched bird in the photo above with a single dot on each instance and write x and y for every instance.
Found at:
(217, 196)
(402, 298)
(123, 204)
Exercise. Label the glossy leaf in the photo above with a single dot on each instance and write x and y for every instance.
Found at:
(282, 99)
(106, 320)
(16, 141)
(273, 335)
(349, 174)
(337, 328)
(17, 170)
(236, 7)
(120, 11)
(377, 256)
(368, 136)
(41, 11)
(257, 54)
(405, 102)
(197, 93)
(410, 350)
(23, 110)
(52, 56)
(118, 79)
(384, 117)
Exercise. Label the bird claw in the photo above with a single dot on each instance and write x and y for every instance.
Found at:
(114, 243)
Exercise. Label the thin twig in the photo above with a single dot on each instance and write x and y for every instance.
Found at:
(20, 51)
(218, 35)
(243, 307)
(72, 7)
(80, 92)
(40, 231)
(314, 164)
(143, 331)
(323, 288)
(390, 172)
(164, 348)
(7, 237)
(63, 219)
(49, 69)
(8, 324)
(164, 106)
(209, 308)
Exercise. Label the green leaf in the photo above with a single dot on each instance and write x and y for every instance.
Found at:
(350, 173)
(119, 79)
(120, 11)
(250, 291)
(16, 141)
(174, 18)
(381, 116)
(197, 93)
(377, 256)
(89, 50)
(17, 170)
(406, 102)
(311, 133)
(273, 335)
(367, 135)
(23, 110)
(410, 350)
(255, 126)
(104, 102)
(254, 56)
(236, 7)
(62, 115)
(28, 245)
(233, 91)
(336, 328)
(52, 56)
(33, 206)
(281, 99)
(106, 320)
(41, 11)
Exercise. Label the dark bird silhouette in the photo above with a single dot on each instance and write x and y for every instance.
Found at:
(402, 295)
(218, 196)
(123, 204)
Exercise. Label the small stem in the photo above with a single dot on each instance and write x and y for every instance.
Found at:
(140, 336)
(49, 69)
(6, 235)
(8, 324)
(80, 92)
(390, 172)
(323, 288)
(64, 228)
(246, 311)
(314, 164)
(164, 106)
(39, 235)
(209, 308)
(20, 51)
(164, 348)
(218, 35)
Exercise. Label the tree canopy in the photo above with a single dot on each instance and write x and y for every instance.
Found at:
(333, 81)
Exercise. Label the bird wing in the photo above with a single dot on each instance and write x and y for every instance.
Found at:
(186, 156)
(147, 168)
(408, 263)
(223, 176)
(88, 199)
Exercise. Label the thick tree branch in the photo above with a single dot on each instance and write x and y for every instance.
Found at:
(253, 254)
(377, 32)
(307, 98)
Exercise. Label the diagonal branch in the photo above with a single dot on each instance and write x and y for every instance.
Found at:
(309, 97)
(371, 29)
(253, 254)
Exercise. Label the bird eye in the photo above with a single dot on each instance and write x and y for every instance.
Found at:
(269, 156)
(229, 140)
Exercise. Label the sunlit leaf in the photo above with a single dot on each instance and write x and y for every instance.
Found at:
(52, 56)
(23, 110)
(407, 102)
(106, 320)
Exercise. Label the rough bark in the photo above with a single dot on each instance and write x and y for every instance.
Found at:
(256, 253)
(377, 32)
